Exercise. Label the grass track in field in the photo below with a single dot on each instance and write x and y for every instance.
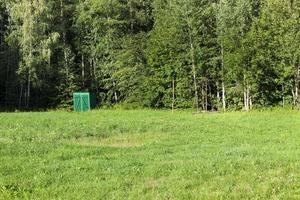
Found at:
(150, 155)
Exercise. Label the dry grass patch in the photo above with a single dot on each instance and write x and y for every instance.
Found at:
(118, 141)
(5, 140)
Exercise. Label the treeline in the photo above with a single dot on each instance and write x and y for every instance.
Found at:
(203, 54)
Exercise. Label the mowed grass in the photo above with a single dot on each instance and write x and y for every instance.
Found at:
(149, 154)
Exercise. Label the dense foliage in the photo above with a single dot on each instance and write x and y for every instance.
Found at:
(209, 55)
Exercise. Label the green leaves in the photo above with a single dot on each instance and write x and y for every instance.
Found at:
(151, 53)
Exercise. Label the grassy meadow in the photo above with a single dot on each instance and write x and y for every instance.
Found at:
(147, 154)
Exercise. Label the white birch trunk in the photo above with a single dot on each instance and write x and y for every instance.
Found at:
(223, 97)
(223, 80)
(192, 51)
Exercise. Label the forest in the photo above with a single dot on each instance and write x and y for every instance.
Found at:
(209, 55)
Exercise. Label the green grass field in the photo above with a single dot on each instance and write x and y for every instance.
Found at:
(150, 155)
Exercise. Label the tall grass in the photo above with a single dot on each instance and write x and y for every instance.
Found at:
(146, 154)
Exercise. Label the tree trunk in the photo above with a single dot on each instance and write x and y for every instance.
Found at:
(204, 91)
(202, 96)
(28, 89)
(7, 82)
(206, 96)
(20, 97)
(245, 98)
(218, 98)
(223, 79)
(223, 97)
(173, 95)
(283, 97)
(30, 58)
(211, 99)
(83, 71)
(194, 72)
(195, 88)
(296, 87)
(250, 102)
(94, 75)
(293, 93)
(66, 62)
(248, 97)
(115, 92)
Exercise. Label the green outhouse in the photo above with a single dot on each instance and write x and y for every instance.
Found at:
(84, 101)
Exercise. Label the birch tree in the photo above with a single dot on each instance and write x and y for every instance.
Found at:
(30, 31)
